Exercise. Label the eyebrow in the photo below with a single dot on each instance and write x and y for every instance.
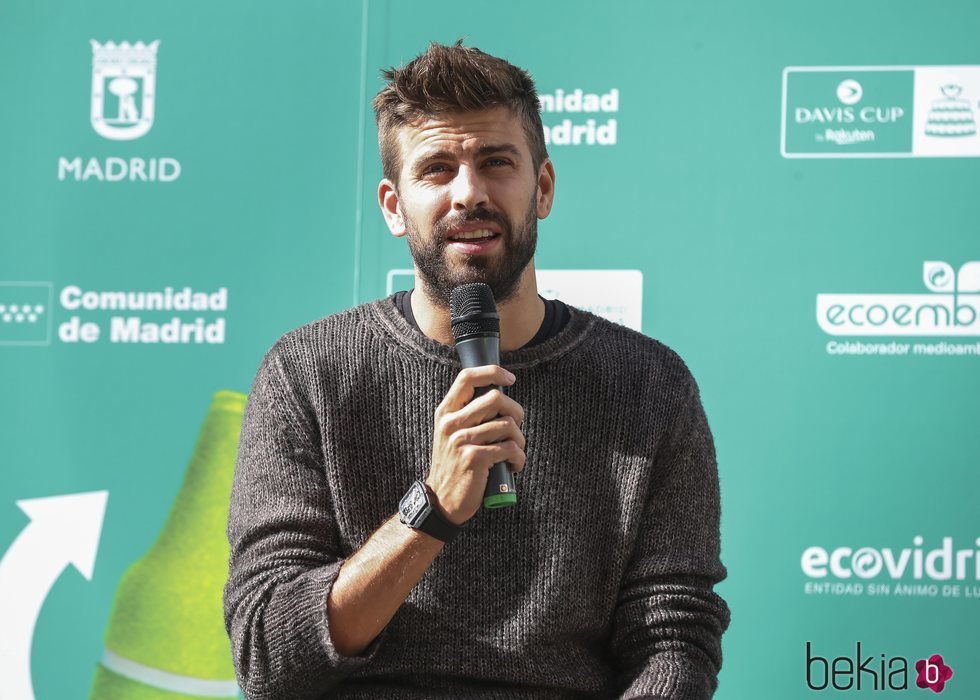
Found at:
(480, 152)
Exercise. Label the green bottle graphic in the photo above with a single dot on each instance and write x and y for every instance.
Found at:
(166, 638)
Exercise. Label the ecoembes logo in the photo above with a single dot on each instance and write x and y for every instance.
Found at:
(951, 309)
(123, 105)
(870, 673)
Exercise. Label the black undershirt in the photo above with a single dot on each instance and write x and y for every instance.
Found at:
(555, 316)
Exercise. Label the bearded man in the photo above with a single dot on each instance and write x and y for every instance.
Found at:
(599, 582)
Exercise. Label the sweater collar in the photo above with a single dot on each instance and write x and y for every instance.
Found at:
(580, 324)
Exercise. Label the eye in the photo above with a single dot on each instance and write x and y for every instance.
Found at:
(502, 161)
(433, 169)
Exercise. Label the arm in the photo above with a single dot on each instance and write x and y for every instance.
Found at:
(295, 611)
(669, 622)
(377, 579)
(285, 548)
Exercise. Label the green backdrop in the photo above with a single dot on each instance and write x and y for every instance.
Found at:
(752, 167)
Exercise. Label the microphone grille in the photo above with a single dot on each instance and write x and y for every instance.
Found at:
(473, 310)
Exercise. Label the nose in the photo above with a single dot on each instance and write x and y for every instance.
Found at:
(468, 189)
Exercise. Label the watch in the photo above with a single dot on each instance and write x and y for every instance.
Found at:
(417, 510)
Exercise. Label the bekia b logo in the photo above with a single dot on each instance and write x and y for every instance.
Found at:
(123, 87)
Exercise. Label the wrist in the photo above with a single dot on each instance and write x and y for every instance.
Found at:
(437, 502)
(419, 510)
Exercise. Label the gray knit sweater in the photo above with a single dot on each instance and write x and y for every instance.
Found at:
(598, 584)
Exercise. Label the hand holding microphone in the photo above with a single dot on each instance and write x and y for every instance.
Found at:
(476, 330)
(471, 436)
(478, 444)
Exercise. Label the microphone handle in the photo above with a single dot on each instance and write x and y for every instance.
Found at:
(500, 491)
(478, 351)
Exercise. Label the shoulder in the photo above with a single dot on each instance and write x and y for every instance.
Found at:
(646, 380)
(334, 327)
(328, 336)
(321, 348)
(622, 349)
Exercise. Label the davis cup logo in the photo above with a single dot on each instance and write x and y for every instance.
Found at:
(850, 92)
(123, 88)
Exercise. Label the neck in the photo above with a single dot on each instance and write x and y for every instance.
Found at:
(520, 317)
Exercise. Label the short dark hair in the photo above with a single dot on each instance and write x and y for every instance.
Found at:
(448, 79)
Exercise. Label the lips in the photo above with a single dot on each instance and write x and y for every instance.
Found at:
(476, 235)
(480, 234)
(474, 242)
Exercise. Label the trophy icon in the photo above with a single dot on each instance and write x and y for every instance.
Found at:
(951, 116)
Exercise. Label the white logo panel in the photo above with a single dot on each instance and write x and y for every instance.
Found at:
(947, 110)
(616, 295)
(952, 309)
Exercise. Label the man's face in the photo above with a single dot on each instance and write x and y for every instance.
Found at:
(468, 201)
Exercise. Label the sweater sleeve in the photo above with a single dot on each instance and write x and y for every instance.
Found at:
(284, 554)
(668, 623)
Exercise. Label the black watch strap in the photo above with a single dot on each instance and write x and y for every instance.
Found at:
(419, 510)
(435, 524)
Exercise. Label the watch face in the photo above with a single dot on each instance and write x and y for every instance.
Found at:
(414, 506)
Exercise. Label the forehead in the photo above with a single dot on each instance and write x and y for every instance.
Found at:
(461, 133)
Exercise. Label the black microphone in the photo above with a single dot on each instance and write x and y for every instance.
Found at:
(476, 330)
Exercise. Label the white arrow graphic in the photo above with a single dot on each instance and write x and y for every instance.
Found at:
(63, 530)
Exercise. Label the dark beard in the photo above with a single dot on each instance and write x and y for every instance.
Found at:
(502, 272)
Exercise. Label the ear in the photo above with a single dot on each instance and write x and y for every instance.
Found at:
(546, 188)
(391, 207)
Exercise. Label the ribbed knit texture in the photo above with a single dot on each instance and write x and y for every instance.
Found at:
(599, 583)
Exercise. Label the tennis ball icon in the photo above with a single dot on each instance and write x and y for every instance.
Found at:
(166, 638)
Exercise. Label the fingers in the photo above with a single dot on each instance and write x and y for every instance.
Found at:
(501, 452)
(480, 410)
(503, 440)
(472, 433)
(499, 430)
(468, 380)
(492, 404)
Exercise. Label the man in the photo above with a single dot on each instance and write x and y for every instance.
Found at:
(598, 583)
